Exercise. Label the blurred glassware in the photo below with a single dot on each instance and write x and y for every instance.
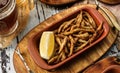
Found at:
(8, 19)
(23, 7)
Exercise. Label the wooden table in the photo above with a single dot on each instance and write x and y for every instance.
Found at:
(39, 13)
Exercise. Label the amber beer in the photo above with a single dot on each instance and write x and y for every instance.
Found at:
(8, 17)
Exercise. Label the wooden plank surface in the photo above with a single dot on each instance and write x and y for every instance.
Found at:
(77, 64)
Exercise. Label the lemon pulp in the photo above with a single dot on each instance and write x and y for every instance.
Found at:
(47, 45)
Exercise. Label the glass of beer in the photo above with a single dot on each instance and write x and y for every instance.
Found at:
(8, 19)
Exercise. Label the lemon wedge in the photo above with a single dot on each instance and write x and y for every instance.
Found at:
(46, 45)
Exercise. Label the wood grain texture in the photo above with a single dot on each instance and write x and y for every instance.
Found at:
(23, 15)
(76, 65)
(110, 1)
(58, 2)
(106, 65)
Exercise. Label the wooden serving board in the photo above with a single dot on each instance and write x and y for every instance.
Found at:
(58, 2)
(110, 1)
(23, 15)
(74, 66)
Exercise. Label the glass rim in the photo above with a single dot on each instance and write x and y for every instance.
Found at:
(5, 5)
(3, 12)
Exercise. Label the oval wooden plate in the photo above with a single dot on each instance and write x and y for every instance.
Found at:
(58, 2)
(33, 42)
(76, 65)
